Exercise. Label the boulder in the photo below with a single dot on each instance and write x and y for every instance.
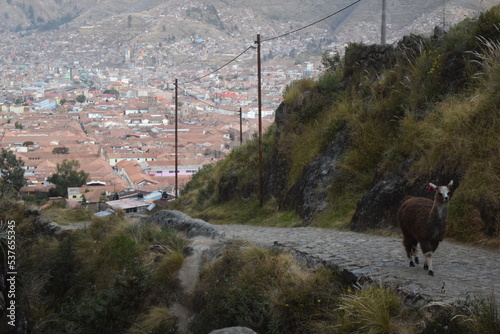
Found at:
(45, 226)
(378, 207)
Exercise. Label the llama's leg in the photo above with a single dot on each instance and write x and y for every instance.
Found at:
(434, 245)
(428, 263)
(415, 252)
(410, 247)
(427, 251)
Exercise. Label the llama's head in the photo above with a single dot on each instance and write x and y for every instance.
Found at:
(442, 192)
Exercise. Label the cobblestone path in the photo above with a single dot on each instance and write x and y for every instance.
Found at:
(459, 271)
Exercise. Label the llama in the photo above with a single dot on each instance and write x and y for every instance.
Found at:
(424, 221)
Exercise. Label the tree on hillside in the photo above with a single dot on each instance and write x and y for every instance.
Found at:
(67, 175)
(60, 150)
(112, 92)
(81, 98)
(330, 62)
(11, 173)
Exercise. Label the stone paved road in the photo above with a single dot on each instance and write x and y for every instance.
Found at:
(459, 271)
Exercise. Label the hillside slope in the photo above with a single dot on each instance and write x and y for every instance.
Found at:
(232, 19)
(380, 124)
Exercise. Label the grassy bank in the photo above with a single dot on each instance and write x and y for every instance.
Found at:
(431, 112)
(119, 277)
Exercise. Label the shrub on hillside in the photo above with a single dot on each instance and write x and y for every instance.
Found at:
(266, 290)
(100, 279)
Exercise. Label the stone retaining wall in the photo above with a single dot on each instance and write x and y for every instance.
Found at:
(191, 226)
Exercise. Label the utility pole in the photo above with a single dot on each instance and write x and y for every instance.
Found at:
(383, 32)
(259, 90)
(241, 127)
(444, 14)
(176, 143)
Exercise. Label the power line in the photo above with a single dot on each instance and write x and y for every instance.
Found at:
(250, 47)
(219, 68)
(206, 103)
(309, 25)
(270, 39)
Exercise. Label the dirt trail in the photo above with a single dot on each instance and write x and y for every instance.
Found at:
(188, 276)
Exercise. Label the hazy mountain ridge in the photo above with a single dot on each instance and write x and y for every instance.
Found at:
(224, 18)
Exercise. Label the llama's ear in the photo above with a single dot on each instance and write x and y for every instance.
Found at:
(432, 187)
(450, 185)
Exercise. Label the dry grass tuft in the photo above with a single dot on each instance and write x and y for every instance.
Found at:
(156, 320)
(369, 310)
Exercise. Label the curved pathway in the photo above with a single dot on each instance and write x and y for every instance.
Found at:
(459, 271)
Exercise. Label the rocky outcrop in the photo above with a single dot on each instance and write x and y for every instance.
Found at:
(378, 206)
(310, 194)
(278, 167)
(377, 56)
(45, 226)
(192, 227)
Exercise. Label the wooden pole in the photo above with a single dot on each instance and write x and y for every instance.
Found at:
(383, 32)
(259, 90)
(176, 143)
(241, 127)
(444, 14)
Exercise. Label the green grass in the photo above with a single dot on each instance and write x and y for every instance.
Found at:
(296, 91)
(338, 215)
(64, 216)
(248, 212)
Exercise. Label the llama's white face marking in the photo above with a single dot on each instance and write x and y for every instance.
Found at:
(444, 191)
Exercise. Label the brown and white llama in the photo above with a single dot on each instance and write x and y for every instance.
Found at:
(423, 221)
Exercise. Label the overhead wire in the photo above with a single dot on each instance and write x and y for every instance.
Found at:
(272, 38)
(221, 67)
(251, 46)
(311, 24)
(206, 103)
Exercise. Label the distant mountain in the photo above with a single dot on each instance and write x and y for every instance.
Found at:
(238, 19)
